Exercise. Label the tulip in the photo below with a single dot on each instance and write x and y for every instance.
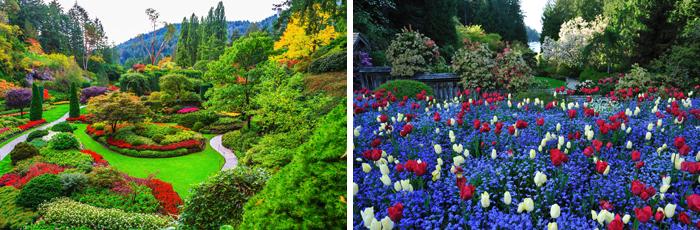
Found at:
(357, 130)
(647, 136)
(533, 154)
(396, 212)
(458, 160)
(506, 198)
(616, 224)
(493, 154)
(366, 168)
(355, 188)
(466, 192)
(626, 218)
(629, 145)
(485, 201)
(458, 148)
(684, 218)
(385, 179)
(643, 214)
(554, 211)
(540, 178)
(438, 148)
(693, 202)
(368, 216)
(659, 214)
(387, 224)
(526, 205)
(384, 169)
(552, 226)
(669, 210)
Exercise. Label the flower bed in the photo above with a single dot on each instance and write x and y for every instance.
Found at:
(38, 169)
(150, 140)
(188, 110)
(482, 160)
(96, 157)
(85, 119)
(169, 200)
(8, 132)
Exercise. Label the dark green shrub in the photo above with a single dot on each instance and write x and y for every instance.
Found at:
(197, 126)
(205, 116)
(329, 63)
(39, 190)
(23, 151)
(135, 82)
(39, 133)
(36, 105)
(140, 199)
(74, 102)
(410, 88)
(305, 193)
(219, 200)
(38, 143)
(592, 74)
(63, 141)
(11, 215)
(63, 127)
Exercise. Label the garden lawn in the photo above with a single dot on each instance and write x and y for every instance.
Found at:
(50, 115)
(551, 82)
(183, 172)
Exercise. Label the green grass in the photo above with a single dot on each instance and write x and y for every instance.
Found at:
(50, 115)
(183, 172)
(550, 82)
(5, 165)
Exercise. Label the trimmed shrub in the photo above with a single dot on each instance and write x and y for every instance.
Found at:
(240, 141)
(11, 215)
(63, 127)
(37, 134)
(22, 151)
(189, 119)
(306, 192)
(39, 190)
(67, 158)
(36, 105)
(104, 177)
(331, 62)
(219, 200)
(73, 182)
(135, 82)
(63, 141)
(410, 53)
(409, 88)
(638, 77)
(69, 213)
(511, 71)
(74, 103)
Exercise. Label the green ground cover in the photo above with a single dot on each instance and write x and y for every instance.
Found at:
(183, 172)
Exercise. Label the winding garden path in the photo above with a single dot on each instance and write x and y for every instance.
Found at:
(5, 150)
(231, 159)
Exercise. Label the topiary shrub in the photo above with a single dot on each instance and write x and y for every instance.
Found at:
(473, 64)
(63, 212)
(63, 127)
(189, 119)
(219, 200)
(409, 88)
(329, 63)
(410, 53)
(22, 151)
(197, 126)
(36, 106)
(306, 192)
(74, 103)
(63, 141)
(37, 134)
(39, 190)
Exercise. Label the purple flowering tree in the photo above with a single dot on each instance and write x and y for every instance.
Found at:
(18, 99)
(90, 92)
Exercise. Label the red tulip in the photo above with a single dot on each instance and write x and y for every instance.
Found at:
(477, 124)
(399, 167)
(597, 144)
(679, 141)
(616, 224)
(376, 142)
(520, 124)
(485, 128)
(639, 165)
(636, 155)
(604, 204)
(396, 212)
(600, 166)
(466, 192)
(436, 117)
(407, 128)
(540, 121)
(693, 202)
(383, 118)
(684, 150)
(557, 157)
(684, 218)
(643, 214)
(659, 216)
(511, 130)
(572, 113)
(461, 181)
(588, 151)
(637, 187)
(373, 154)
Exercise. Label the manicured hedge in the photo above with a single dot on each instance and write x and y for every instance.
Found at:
(68, 213)
(409, 88)
(306, 193)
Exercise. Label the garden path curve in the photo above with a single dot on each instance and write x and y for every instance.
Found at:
(5, 150)
(231, 159)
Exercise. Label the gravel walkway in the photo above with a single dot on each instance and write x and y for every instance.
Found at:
(231, 159)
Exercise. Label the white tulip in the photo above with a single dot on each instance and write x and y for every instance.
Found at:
(397, 186)
(485, 202)
(367, 216)
(527, 205)
(650, 127)
(594, 215)
(506, 198)
(357, 130)
(669, 210)
(406, 185)
(647, 136)
(376, 225)
(666, 180)
(451, 134)
(540, 178)
(558, 127)
(458, 148)
(438, 148)
(552, 226)
(554, 211)
(457, 160)
(659, 122)
(366, 167)
(384, 169)
(629, 145)
(493, 154)
(533, 154)
(626, 218)
(385, 179)
(355, 188)
(466, 152)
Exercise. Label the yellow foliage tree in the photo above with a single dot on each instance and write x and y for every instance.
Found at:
(299, 45)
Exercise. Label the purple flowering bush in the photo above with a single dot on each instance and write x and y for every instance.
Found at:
(485, 161)
(90, 92)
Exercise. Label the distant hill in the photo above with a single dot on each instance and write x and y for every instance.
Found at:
(532, 34)
(132, 48)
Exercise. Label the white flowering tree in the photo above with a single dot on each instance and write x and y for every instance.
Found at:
(574, 36)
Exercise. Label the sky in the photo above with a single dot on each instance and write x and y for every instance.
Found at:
(125, 19)
(532, 10)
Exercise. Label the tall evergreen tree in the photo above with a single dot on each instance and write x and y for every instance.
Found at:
(74, 102)
(181, 52)
(194, 39)
(35, 107)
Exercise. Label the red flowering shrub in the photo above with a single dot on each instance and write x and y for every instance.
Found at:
(31, 124)
(188, 144)
(94, 132)
(96, 157)
(9, 179)
(35, 170)
(85, 119)
(163, 192)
